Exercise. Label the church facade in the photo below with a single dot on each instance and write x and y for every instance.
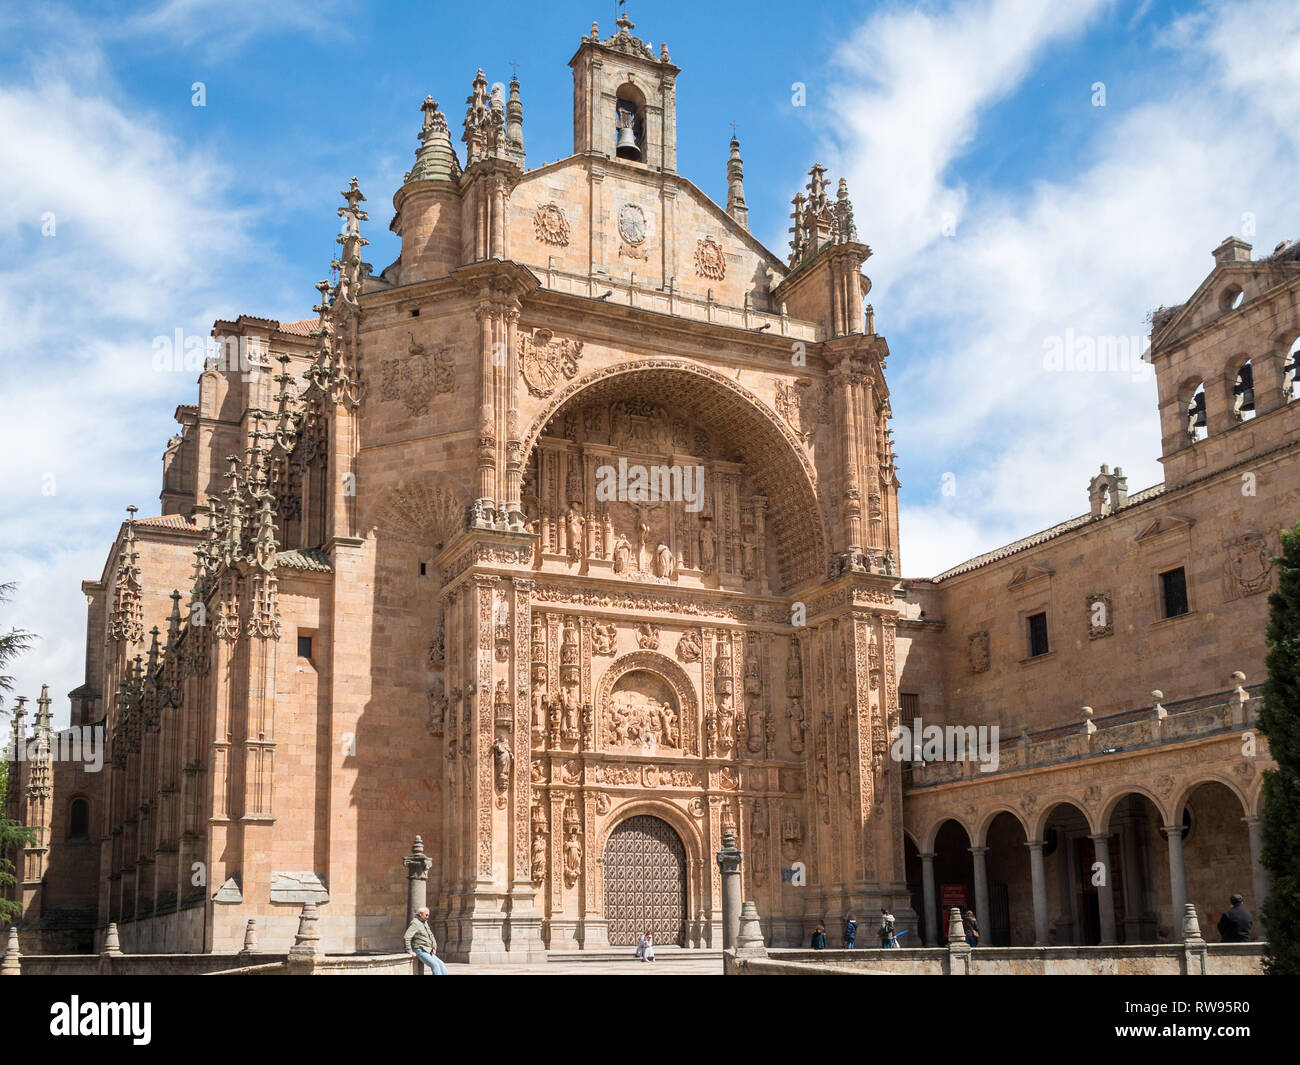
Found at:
(569, 542)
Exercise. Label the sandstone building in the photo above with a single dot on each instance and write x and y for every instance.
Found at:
(391, 593)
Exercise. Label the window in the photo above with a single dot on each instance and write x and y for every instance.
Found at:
(911, 704)
(1173, 592)
(1037, 634)
(304, 647)
(79, 819)
(1196, 414)
(1243, 393)
(424, 569)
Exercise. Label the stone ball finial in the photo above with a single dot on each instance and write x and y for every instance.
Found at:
(1238, 678)
(1087, 713)
(1157, 694)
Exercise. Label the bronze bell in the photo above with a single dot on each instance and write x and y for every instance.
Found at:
(625, 145)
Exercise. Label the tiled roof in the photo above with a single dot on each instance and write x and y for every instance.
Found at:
(308, 559)
(1016, 546)
(169, 521)
(299, 329)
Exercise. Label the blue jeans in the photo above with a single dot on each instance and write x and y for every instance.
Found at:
(432, 961)
(850, 944)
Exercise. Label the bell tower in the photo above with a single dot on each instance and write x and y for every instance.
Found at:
(625, 99)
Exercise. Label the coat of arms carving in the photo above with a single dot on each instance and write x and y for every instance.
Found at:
(551, 225)
(709, 259)
(1249, 566)
(416, 379)
(978, 648)
(546, 361)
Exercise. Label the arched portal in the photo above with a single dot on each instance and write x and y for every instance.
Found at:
(757, 526)
(645, 882)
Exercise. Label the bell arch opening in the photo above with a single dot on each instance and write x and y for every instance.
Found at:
(666, 471)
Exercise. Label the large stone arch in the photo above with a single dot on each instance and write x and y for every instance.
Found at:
(979, 836)
(672, 674)
(1047, 806)
(1195, 781)
(777, 456)
(1123, 791)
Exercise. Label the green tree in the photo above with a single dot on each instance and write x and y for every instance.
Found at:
(12, 834)
(1279, 719)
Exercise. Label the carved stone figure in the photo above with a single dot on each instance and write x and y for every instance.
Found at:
(502, 759)
(688, 647)
(604, 639)
(574, 522)
(539, 859)
(664, 563)
(647, 636)
(622, 555)
(708, 544)
(572, 859)
(794, 715)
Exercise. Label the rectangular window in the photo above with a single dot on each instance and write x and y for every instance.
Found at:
(911, 705)
(304, 647)
(1173, 592)
(1037, 635)
(424, 570)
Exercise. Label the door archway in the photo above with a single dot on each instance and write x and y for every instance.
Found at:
(645, 882)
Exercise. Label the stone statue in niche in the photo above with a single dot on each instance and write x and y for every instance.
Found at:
(574, 522)
(708, 545)
(572, 859)
(539, 859)
(570, 712)
(622, 555)
(797, 724)
(501, 760)
(664, 563)
(755, 739)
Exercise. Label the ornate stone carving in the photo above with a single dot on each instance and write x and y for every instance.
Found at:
(1248, 567)
(572, 859)
(550, 224)
(710, 260)
(647, 636)
(688, 646)
(1101, 621)
(632, 225)
(977, 646)
(502, 760)
(604, 639)
(416, 379)
(546, 360)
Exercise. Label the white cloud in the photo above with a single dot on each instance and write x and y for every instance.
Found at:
(223, 27)
(147, 234)
(1091, 250)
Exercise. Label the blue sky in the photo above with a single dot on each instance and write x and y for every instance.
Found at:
(1003, 208)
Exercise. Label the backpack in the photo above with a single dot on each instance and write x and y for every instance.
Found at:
(886, 927)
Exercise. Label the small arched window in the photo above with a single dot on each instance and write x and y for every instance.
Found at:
(1232, 298)
(1243, 393)
(79, 819)
(1196, 414)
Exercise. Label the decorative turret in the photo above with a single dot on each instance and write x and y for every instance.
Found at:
(126, 620)
(736, 206)
(485, 122)
(435, 159)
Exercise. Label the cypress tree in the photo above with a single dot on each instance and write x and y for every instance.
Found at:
(1279, 719)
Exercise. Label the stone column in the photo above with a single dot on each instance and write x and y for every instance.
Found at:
(930, 922)
(1105, 890)
(1258, 874)
(1177, 875)
(1042, 934)
(980, 854)
(12, 963)
(417, 878)
(729, 862)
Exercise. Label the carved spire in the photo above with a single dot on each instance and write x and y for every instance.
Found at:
(484, 134)
(126, 620)
(515, 123)
(845, 229)
(352, 270)
(736, 206)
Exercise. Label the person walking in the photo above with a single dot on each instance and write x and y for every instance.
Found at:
(886, 930)
(421, 944)
(850, 933)
(972, 927)
(1236, 925)
(819, 938)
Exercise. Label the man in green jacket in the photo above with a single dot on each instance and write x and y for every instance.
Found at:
(421, 944)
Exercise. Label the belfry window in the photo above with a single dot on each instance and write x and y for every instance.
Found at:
(1291, 371)
(1243, 394)
(1196, 414)
(629, 124)
(78, 819)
